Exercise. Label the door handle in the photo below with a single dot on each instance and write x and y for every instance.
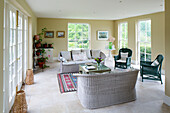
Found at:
(18, 58)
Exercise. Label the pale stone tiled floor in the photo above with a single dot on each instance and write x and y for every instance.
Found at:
(44, 97)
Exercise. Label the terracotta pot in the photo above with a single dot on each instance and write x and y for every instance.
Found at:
(37, 53)
(38, 45)
(37, 37)
(50, 45)
(45, 45)
(41, 64)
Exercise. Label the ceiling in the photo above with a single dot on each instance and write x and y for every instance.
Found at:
(94, 9)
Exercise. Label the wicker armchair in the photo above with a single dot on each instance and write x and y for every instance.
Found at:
(152, 72)
(123, 64)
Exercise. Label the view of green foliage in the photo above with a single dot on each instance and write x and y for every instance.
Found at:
(145, 40)
(78, 36)
(124, 35)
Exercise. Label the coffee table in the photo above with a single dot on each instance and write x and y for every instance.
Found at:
(101, 69)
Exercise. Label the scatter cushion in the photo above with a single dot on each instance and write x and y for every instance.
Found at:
(95, 53)
(123, 55)
(76, 52)
(80, 56)
(88, 54)
(155, 63)
(66, 55)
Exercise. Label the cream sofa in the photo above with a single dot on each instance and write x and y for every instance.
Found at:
(67, 63)
(100, 90)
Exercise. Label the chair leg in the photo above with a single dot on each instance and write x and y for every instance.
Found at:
(161, 79)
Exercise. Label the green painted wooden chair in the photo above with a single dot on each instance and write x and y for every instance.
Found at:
(152, 70)
(126, 63)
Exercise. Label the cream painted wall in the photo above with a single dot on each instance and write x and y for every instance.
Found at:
(167, 48)
(60, 44)
(1, 58)
(157, 33)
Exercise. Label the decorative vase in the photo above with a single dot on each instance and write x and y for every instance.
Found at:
(29, 77)
(20, 104)
(110, 45)
(98, 64)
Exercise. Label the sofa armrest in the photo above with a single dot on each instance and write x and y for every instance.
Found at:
(102, 55)
(62, 59)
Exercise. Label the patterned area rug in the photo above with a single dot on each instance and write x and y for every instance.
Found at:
(67, 82)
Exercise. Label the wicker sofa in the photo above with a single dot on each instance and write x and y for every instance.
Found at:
(100, 90)
(67, 63)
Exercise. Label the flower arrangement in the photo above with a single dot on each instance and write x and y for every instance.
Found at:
(98, 60)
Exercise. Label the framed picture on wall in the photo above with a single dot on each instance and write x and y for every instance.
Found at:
(49, 34)
(60, 34)
(103, 35)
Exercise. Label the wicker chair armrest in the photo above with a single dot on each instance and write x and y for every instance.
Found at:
(116, 57)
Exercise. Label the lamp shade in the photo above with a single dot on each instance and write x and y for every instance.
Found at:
(111, 39)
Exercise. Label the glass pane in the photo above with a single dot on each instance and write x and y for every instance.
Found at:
(148, 48)
(78, 35)
(142, 47)
(79, 27)
(85, 35)
(72, 36)
(71, 27)
(148, 57)
(85, 28)
(142, 57)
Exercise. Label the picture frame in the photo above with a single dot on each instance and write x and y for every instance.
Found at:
(103, 35)
(60, 34)
(49, 34)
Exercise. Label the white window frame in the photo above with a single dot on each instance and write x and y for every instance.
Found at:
(120, 35)
(138, 39)
(89, 34)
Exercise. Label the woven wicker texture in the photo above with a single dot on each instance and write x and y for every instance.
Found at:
(29, 77)
(107, 89)
(20, 104)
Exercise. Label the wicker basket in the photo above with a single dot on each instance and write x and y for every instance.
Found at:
(20, 104)
(29, 77)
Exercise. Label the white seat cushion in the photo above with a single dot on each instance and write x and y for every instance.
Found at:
(95, 53)
(66, 55)
(88, 54)
(122, 61)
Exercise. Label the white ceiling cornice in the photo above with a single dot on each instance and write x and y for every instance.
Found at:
(94, 9)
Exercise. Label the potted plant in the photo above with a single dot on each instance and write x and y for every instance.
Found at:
(45, 45)
(50, 45)
(38, 52)
(41, 61)
(98, 60)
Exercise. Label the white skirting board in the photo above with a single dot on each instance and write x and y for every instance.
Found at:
(166, 100)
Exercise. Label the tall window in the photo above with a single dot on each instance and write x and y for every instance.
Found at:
(144, 40)
(78, 36)
(123, 35)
